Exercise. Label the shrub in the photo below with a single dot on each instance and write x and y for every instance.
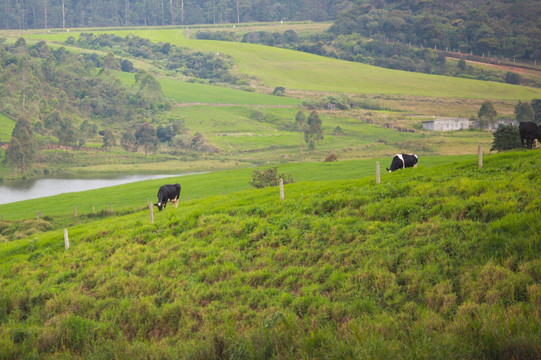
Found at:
(269, 177)
(331, 157)
(279, 91)
(506, 138)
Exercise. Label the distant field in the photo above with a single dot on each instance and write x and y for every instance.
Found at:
(6, 127)
(296, 70)
(187, 93)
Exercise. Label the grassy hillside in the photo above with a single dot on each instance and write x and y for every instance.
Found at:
(296, 70)
(6, 127)
(435, 262)
(58, 210)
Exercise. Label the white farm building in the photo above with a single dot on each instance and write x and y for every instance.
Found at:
(446, 124)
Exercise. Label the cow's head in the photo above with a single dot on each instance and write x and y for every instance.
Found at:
(159, 205)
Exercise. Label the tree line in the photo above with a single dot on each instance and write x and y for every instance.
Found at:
(47, 14)
(482, 27)
(374, 51)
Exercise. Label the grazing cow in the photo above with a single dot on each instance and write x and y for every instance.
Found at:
(401, 161)
(530, 131)
(168, 193)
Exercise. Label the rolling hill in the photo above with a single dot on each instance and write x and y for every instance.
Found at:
(434, 262)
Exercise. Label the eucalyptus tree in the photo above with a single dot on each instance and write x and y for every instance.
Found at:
(21, 152)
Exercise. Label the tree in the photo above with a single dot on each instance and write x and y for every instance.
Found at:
(21, 152)
(313, 131)
(300, 120)
(506, 138)
(512, 78)
(279, 91)
(146, 136)
(486, 114)
(126, 65)
(128, 141)
(108, 139)
(66, 132)
(536, 106)
(524, 111)
(269, 177)
(111, 62)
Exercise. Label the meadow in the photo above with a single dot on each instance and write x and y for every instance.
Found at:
(272, 67)
(435, 262)
(58, 210)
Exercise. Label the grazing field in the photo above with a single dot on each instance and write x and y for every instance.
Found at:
(435, 262)
(131, 197)
(187, 93)
(296, 70)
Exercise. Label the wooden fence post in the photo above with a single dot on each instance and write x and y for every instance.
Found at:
(281, 188)
(378, 177)
(151, 210)
(111, 208)
(66, 239)
(480, 157)
(74, 211)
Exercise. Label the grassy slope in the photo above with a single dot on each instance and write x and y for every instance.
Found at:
(185, 93)
(439, 262)
(296, 70)
(133, 196)
(6, 127)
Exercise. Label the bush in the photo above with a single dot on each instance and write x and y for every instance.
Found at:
(506, 138)
(331, 157)
(270, 177)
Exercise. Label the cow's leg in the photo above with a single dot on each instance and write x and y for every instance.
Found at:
(175, 202)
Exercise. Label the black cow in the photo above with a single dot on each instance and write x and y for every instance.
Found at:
(530, 131)
(401, 161)
(168, 193)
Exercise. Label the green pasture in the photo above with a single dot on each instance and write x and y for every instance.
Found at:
(182, 92)
(133, 195)
(437, 262)
(236, 129)
(6, 128)
(296, 70)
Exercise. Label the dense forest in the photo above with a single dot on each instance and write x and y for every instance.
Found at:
(45, 14)
(482, 27)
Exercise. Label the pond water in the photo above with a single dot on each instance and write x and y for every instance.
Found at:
(36, 188)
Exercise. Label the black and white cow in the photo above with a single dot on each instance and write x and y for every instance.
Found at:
(401, 161)
(168, 193)
(530, 131)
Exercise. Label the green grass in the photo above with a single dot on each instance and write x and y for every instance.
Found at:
(436, 262)
(6, 127)
(132, 196)
(186, 93)
(297, 70)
